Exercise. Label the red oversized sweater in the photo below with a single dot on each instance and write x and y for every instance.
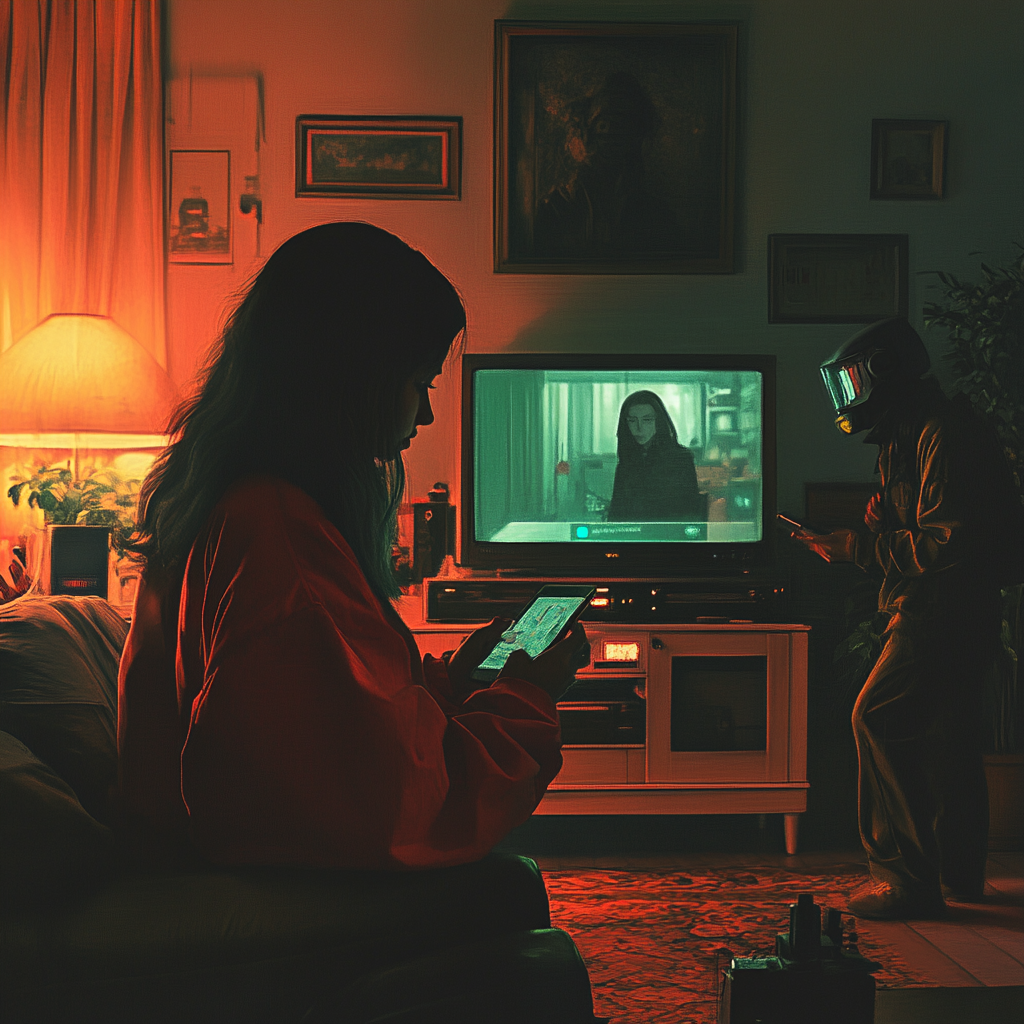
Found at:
(271, 711)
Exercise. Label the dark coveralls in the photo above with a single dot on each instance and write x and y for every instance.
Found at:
(923, 802)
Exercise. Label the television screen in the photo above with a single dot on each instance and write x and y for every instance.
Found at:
(627, 457)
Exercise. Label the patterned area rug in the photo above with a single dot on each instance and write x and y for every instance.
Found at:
(656, 942)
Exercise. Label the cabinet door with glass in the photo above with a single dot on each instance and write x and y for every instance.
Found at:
(719, 707)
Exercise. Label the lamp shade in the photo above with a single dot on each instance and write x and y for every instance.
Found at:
(78, 380)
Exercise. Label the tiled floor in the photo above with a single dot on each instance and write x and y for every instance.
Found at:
(979, 944)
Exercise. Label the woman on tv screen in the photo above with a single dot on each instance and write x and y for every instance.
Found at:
(655, 479)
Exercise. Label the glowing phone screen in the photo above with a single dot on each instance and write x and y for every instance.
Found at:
(535, 631)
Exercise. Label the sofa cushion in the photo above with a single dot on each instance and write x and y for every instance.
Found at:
(58, 688)
(209, 919)
(536, 976)
(239, 945)
(49, 845)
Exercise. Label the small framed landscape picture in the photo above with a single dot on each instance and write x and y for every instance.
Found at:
(836, 279)
(378, 157)
(908, 159)
(199, 216)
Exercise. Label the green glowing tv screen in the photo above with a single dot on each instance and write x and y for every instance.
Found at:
(579, 461)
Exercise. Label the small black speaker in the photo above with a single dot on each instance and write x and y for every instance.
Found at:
(433, 526)
(79, 557)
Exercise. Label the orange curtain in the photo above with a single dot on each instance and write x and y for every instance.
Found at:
(81, 165)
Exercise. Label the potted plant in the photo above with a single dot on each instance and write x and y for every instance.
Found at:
(103, 498)
(985, 322)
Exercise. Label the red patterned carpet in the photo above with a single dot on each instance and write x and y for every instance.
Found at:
(655, 942)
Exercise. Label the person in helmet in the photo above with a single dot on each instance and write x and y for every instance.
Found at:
(938, 527)
(874, 366)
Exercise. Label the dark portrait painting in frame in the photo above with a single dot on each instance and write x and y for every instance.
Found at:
(614, 148)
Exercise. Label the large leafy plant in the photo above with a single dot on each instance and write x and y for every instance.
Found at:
(103, 498)
(985, 322)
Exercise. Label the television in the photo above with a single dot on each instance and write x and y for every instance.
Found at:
(617, 465)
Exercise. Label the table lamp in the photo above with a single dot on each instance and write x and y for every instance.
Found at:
(80, 381)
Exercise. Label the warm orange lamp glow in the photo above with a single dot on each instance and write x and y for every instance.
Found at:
(80, 381)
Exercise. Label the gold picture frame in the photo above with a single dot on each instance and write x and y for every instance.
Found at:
(908, 159)
(615, 148)
(378, 157)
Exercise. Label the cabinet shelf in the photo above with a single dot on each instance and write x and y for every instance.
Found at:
(651, 777)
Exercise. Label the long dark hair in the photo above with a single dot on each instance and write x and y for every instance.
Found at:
(664, 429)
(304, 384)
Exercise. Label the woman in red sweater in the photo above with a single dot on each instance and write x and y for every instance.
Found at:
(273, 708)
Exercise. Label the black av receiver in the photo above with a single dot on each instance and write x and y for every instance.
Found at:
(743, 596)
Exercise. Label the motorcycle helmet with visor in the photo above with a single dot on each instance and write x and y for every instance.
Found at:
(863, 375)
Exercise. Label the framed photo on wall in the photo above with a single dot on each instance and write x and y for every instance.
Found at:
(614, 148)
(378, 157)
(199, 214)
(908, 159)
(836, 279)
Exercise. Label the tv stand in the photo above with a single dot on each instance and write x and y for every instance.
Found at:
(718, 724)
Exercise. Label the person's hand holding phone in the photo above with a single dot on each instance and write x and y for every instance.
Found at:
(837, 546)
(554, 670)
(471, 652)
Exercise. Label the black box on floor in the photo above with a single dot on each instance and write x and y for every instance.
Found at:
(812, 979)
(763, 992)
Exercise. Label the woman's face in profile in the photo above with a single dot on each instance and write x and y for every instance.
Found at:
(414, 406)
(641, 422)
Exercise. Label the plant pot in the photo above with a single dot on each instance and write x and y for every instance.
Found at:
(1004, 774)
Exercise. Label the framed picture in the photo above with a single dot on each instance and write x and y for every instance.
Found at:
(378, 157)
(836, 279)
(614, 148)
(908, 159)
(199, 216)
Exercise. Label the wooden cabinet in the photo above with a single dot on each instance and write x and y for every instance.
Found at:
(725, 709)
(718, 707)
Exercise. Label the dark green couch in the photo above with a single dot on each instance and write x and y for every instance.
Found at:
(86, 937)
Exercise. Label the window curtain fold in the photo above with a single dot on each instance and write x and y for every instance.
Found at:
(81, 165)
